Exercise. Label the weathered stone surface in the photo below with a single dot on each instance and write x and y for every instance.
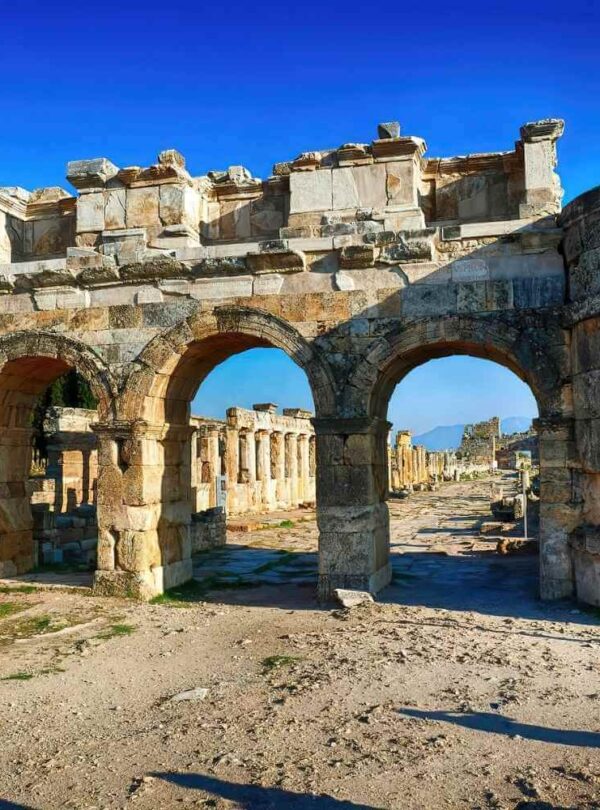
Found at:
(350, 599)
(390, 129)
(360, 262)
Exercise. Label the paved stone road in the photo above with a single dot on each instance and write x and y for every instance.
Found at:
(438, 557)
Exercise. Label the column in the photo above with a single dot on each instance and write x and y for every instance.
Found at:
(144, 508)
(352, 513)
(214, 461)
(303, 472)
(232, 464)
(292, 450)
(263, 466)
(278, 467)
(559, 511)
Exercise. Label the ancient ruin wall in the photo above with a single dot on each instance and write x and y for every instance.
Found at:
(360, 262)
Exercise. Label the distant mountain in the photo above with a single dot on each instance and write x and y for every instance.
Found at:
(443, 437)
(447, 437)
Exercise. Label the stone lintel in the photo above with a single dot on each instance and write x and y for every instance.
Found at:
(329, 426)
(393, 148)
(548, 129)
(276, 261)
(94, 173)
(268, 407)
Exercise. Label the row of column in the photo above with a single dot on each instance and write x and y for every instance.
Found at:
(263, 469)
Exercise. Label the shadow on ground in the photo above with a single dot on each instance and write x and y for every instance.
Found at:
(497, 724)
(255, 797)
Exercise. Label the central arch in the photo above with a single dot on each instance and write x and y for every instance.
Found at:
(146, 543)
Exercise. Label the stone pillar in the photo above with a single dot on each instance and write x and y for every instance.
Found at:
(144, 508)
(352, 513)
(214, 460)
(559, 513)
(292, 450)
(278, 467)
(303, 472)
(263, 467)
(542, 191)
(17, 549)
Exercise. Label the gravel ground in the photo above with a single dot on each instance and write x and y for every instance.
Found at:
(458, 689)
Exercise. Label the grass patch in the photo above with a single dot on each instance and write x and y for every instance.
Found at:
(117, 630)
(195, 590)
(10, 608)
(18, 589)
(286, 524)
(18, 676)
(278, 661)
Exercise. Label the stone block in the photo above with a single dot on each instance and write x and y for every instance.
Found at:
(114, 208)
(311, 191)
(142, 208)
(90, 212)
(359, 187)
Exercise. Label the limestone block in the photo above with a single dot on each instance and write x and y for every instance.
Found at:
(234, 220)
(311, 191)
(359, 187)
(179, 205)
(276, 261)
(401, 186)
(51, 235)
(90, 212)
(114, 210)
(142, 208)
(90, 173)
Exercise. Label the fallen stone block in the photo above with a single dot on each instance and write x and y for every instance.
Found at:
(350, 599)
(199, 693)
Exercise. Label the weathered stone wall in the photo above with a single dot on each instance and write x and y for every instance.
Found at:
(371, 259)
(208, 529)
(267, 460)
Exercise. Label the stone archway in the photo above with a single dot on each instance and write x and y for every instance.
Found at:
(28, 364)
(539, 356)
(144, 545)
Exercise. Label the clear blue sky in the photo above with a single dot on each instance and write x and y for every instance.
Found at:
(255, 83)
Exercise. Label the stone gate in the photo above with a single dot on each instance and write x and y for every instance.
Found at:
(361, 263)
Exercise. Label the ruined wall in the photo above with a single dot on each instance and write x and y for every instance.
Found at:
(360, 262)
(479, 442)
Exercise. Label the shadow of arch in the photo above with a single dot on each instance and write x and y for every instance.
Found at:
(173, 365)
(529, 355)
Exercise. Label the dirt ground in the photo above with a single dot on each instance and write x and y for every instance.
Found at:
(457, 689)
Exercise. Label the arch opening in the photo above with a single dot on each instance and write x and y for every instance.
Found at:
(193, 472)
(463, 474)
(48, 465)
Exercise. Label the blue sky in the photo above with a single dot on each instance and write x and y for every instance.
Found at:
(256, 83)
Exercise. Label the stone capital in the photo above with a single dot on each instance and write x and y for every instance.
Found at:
(548, 129)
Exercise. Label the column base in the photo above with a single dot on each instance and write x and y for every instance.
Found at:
(142, 585)
(372, 583)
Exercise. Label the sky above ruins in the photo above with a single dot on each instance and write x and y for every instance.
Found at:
(449, 391)
(256, 83)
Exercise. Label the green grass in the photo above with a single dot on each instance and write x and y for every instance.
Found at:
(286, 524)
(19, 676)
(10, 608)
(278, 661)
(196, 590)
(116, 630)
(18, 589)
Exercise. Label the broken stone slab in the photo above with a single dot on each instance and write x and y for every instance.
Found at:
(388, 129)
(350, 599)
(40, 275)
(94, 173)
(357, 257)
(407, 249)
(276, 261)
(220, 266)
(198, 693)
(154, 268)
